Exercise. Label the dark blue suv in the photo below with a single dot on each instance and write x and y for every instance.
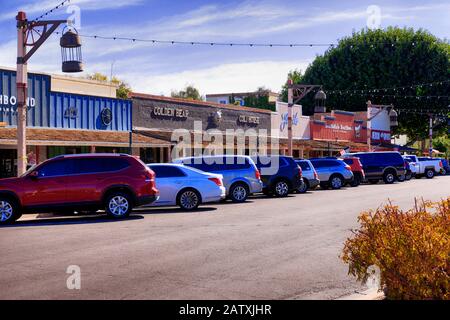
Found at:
(280, 174)
(386, 165)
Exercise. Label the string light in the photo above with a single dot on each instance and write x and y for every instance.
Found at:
(62, 4)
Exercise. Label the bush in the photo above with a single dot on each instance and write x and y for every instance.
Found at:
(410, 248)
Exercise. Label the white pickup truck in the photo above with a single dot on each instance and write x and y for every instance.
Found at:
(425, 166)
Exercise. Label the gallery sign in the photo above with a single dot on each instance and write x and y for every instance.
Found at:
(249, 119)
(170, 112)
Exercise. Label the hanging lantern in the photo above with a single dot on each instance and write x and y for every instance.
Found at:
(393, 115)
(70, 43)
(320, 99)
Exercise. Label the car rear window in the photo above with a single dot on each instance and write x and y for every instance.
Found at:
(304, 165)
(99, 165)
(348, 161)
(167, 171)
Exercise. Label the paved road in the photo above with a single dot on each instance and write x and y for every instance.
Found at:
(263, 249)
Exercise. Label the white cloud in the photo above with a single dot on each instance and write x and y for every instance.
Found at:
(231, 77)
(38, 7)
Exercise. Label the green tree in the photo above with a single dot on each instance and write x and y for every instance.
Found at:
(373, 59)
(122, 87)
(190, 92)
(258, 99)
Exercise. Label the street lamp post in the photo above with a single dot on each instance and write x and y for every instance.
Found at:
(30, 34)
(297, 92)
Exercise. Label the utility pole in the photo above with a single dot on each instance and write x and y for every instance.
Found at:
(297, 92)
(431, 135)
(22, 91)
(27, 36)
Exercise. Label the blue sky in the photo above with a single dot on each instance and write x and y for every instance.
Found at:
(158, 69)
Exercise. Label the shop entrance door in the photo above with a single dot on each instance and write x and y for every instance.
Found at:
(8, 163)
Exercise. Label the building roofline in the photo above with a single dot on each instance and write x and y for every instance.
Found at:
(196, 102)
(238, 94)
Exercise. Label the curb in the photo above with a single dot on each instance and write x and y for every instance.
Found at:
(369, 294)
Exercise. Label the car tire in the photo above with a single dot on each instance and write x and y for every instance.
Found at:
(118, 205)
(408, 177)
(401, 178)
(281, 188)
(374, 181)
(239, 192)
(389, 177)
(9, 211)
(356, 181)
(189, 199)
(336, 182)
(429, 173)
(304, 187)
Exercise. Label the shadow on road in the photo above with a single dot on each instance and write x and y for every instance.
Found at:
(171, 210)
(67, 220)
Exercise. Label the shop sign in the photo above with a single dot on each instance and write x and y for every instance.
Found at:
(170, 112)
(8, 104)
(71, 113)
(249, 119)
(339, 127)
(381, 136)
(284, 120)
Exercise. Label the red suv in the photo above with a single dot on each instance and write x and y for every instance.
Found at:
(114, 182)
(357, 169)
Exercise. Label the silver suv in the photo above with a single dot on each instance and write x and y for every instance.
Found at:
(309, 174)
(333, 173)
(240, 174)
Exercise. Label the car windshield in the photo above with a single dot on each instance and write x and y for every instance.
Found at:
(28, 171)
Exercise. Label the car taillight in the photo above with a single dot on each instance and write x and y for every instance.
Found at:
(257, 174)
(300, 172)
(149, 176)
(316, 176)
(217, 181)
(440, 164)
(348, 168)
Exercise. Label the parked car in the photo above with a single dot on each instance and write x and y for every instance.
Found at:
(280, 174)
(357, 169)
(309, 174)
(186, 187)
(332, 173)
(428, 167)
(385, 165)
(114, 182)
(241, 177)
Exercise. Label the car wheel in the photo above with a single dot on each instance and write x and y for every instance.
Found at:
(373, 181)
(401, 178)
(118, 205)
(238, 192)
(336, 182)
(408, 177)
(429, 173)
(304, 187)
(9, 211)
(189, 199)
(281, 188)
(356, 181)
(389, 177)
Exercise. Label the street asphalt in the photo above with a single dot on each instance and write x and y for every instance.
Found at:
(266, 248)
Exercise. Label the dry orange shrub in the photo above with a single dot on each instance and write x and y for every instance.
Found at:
(410, 248)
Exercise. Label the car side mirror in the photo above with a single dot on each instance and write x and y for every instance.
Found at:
(34, 175)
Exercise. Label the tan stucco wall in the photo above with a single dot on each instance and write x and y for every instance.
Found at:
(82, 86)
